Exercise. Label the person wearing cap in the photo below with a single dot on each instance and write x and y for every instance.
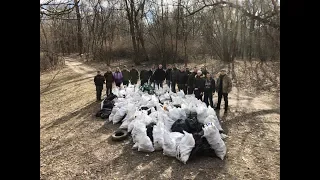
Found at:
(191, 78)
(144, 75)
(108, 76)
(125, 76)
(199, 85)
(209, 89)
(224, 86)
(98, 81)
(159, 76)
(117, 76)
(134, 75)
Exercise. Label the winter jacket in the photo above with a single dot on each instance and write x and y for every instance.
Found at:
(108, 76)
(134, 75)
(226, 84)
(144, 75)
(159, 75)
(174, 74)
(191, 79)
(126, 75)
(151, 75)
(209, 85)
(199, 83)
(183, 77)
(98, 80)
(117, 76)
(168, 74)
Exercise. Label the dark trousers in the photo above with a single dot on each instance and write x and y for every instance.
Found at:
(159, 83)
(143, 81)
(197, 94)
(98, 92)
(208, 98)
(118, 84)
(183, 87)
(109, 89)
(133, 82)
(173, 86)
(225, 98)
(125, 83)
(190, 90)
(168, 82)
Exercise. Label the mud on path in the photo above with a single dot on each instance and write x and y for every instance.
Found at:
(76, 145)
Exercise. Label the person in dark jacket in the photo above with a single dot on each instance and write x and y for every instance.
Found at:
(190, 82)
(168, 75)
(151, 75)
(182, 80)
(125, 76)
(224, 86)
(188, 71)
(204, 71)
(134, 75)
(98, 81)
(117, 76)
(174, 77)
(209, 89)
(144, 75)
(159, 76)
(198, 85)
(109, 80)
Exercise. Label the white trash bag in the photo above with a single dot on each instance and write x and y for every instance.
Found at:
(211, 133)
(185, 147)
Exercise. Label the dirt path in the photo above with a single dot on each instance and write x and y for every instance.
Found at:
(76, 145)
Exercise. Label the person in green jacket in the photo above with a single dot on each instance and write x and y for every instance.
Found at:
(126, 76)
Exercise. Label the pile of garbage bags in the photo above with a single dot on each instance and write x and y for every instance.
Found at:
(180, 125)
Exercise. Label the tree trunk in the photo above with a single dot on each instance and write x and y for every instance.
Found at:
(80, 44)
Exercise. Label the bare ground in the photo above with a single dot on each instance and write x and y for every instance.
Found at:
(74, 144)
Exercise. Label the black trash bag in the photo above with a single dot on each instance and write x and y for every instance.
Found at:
(108, 104)
(110, 97)
(144, 108)
(180, 126)
(193, 125)
(202, 147)
(177, 105)
(150, 130)
(104, 113)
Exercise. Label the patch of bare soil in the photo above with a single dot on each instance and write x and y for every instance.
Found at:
(74, 144)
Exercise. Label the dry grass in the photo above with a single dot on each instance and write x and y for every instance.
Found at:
(76, 145)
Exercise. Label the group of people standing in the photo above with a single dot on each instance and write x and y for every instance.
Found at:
(197, 81)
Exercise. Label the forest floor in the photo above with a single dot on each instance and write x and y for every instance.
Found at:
(74, 144)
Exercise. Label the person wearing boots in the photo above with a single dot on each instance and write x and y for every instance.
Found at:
(98, 81)
(224, 86)
(209, 89)
(109, 80)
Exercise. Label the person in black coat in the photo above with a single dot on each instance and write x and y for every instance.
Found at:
(98, 81)
(108, 76)
(134, 75)
(151, 75)
(198, 86)
(144, 75)
(174, 78)
(168, 75)
(159, 76)
(209, 89)
(190, 82)
(182, 80)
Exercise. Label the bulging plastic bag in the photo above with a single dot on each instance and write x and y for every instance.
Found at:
(119, 114)
(170, 141)
(158, 131)
(139, 136)
(211, 133)
(185, 147)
